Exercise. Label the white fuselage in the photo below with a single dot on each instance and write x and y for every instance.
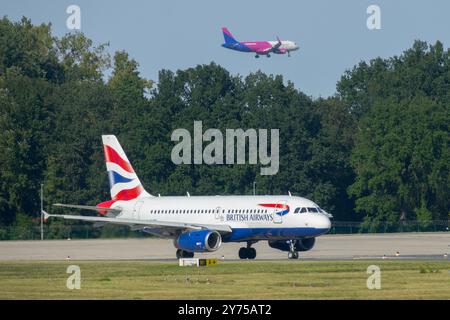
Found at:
(254, 217)
(286, 45)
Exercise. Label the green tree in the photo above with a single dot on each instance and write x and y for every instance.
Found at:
(401, 159)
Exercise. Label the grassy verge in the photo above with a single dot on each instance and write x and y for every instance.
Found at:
(400, 279)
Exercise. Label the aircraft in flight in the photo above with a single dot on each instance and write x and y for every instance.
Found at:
(203, 223)
(259, 47)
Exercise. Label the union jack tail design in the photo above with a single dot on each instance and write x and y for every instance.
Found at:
(123, 182)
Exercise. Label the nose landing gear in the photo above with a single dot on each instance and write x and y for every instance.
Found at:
(248, 252)
(293, 254)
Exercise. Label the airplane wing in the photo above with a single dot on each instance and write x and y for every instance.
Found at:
(275, 47)
(95, 208)
(137, 224)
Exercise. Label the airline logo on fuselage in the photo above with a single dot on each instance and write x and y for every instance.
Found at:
(284, 208)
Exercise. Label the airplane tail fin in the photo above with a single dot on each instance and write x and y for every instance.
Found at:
(123, 182)
(229, 39)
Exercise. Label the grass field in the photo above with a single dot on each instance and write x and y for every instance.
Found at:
(400, 279)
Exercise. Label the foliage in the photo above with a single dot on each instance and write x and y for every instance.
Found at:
(377, 151)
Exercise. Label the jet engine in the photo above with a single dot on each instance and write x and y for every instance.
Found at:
(299, 244)
(199, 241)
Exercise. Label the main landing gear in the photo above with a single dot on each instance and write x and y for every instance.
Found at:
(257, 56)
(293, 254)
(184, 254)
(248, 252)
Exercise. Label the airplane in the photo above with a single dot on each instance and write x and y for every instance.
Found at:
(203, 223)
(259, 47)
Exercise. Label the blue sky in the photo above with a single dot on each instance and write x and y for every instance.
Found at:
(174, 34)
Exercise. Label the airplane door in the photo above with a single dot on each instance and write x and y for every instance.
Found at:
(279, 208)
(137, 209)
(218, 214)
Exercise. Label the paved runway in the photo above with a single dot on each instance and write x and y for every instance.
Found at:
(328, 247)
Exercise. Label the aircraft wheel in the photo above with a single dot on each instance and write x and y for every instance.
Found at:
(293, 255)
(257, 56)
(251, 252)
(268, 55)
(243, 253)
(184, 254)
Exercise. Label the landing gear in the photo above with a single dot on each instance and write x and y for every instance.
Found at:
(257, 56)
(184, 254)
(293, 254)
(248, 252)
(268, 55)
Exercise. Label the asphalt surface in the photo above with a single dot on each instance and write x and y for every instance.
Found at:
(430, 246)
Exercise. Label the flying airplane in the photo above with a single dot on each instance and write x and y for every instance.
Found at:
(259, 47)
(203, 223)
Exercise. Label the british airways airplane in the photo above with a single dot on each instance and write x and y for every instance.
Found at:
(259, 47)
(203, 223)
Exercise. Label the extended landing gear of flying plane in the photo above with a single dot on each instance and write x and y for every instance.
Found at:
(293, 254)
(184, 254)
(248, 252)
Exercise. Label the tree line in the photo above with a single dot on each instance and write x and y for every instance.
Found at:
(377, 151)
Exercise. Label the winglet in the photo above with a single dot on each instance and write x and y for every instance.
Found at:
(46, 215)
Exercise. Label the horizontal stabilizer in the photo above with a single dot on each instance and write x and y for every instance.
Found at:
(76, 206)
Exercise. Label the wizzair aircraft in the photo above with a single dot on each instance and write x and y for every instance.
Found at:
(203, 223)
(259, 47)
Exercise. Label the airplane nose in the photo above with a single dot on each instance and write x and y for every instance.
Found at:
(323, 222)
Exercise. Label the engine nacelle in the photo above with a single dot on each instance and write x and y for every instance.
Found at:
(300, 244)
(199, 241)
(305, 244)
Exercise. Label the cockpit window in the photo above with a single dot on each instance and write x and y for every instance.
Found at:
(311, 209)
(303, 210)
(297, 210)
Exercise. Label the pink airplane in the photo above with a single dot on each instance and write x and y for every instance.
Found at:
(258, 47)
